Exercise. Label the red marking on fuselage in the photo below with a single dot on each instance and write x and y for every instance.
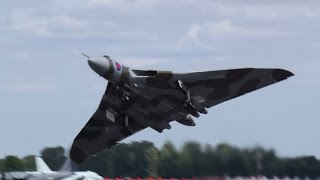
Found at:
(118, 66)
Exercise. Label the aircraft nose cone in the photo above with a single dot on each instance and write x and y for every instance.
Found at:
(101, 67)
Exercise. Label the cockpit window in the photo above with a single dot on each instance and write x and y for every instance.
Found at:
(107, 57)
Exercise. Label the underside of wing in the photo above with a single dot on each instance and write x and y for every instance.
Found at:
(103, 130)
(214, 87)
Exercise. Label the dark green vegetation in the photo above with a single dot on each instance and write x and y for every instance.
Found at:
(143, 159)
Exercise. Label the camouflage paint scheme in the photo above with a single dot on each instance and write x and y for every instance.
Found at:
(137, 99)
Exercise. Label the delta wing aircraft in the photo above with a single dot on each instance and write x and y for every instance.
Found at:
(137, 99)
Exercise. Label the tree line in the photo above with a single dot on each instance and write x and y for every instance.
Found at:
(143, 159)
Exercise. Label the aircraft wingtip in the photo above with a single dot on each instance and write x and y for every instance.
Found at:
(281, 74)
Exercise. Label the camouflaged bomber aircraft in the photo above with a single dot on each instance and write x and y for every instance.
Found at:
(137, 99)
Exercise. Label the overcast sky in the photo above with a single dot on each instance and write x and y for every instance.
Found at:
(48, 92)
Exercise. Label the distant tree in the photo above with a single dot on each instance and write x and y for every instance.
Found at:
(2, 165)
(302, 167)
(123, 160)
(54, 157)
(193, 150)
(29, 163)
(168, 161)
(152, 156)
(100, 164)
(184, 166)
(270, 163)
(143, 159)
(109, 170)
(140, 166)
(13, 163)
(312, 166)
(249, 157)
(210, 161)
(224, 152)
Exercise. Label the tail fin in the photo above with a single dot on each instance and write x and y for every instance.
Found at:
(41, 166)
(69, 166)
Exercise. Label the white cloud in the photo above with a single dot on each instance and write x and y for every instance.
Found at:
(68, 22)
(277, 12)
(227, 29)
(207, 34)
(22, 20)
(261, 10)
(191, 39)
(28, 21)
(137, 7)
(193, 32)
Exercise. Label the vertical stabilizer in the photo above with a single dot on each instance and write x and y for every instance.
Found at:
(41, 166)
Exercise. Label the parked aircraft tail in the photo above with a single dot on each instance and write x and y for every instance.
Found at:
(41, 166)
(68, 166)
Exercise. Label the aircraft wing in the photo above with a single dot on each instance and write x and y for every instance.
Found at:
(214, 87)
(105, 129)
(100, 132)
